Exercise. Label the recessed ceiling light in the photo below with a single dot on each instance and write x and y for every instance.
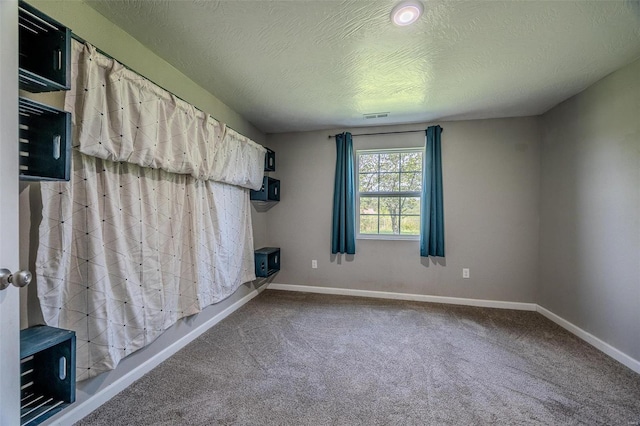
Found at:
(406, 13)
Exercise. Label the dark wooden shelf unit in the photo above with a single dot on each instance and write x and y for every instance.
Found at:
(48, 372)
(45, 142)
(270, 190)
(45, 51)
(267, 261)
(45, 66)
(270, 161)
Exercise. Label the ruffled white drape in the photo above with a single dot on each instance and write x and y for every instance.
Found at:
(155, 223)
(121, 116)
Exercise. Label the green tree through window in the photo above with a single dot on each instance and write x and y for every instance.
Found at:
(389, 183)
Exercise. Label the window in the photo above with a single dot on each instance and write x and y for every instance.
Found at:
(389, 186)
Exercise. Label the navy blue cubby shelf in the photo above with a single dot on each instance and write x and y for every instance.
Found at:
(270, 190)
(45, 141)
(267, 261)
(270, 161)
(47, 372)
(45, 51)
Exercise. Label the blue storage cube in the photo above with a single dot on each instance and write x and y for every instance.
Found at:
(270, 190)
(45, 51)
(48, 372)
(45, 142)
(267, 261)
(270, 161)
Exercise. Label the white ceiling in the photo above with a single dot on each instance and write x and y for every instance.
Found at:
(316, 64)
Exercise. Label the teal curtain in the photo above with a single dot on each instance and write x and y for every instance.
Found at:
(343, 236)
(432, 209)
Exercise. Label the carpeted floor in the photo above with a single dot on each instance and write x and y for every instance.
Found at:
(308, 359)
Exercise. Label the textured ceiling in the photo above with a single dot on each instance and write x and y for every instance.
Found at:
(307, 65)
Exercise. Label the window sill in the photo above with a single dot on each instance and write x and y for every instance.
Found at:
(388, 237)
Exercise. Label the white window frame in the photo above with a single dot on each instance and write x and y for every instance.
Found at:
(418, 194)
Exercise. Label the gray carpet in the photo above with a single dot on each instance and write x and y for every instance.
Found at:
(307, 359)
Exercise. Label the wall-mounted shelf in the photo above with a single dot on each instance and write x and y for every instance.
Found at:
(47, 372)
(270, 190)
(45, 66)
(270, 161)
(45, 142)
(45, 52)
(267, 261)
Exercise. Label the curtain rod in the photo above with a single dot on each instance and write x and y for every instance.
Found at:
(382, 133)
(102, 52)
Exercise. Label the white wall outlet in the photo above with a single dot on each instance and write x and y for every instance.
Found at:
(465, 272)
(314, 264)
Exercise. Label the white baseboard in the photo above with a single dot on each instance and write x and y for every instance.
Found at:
(604, 347)
(407, 296)
(75, 413)
(601, 345)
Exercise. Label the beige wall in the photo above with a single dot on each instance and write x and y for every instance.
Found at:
(590, 210)
(491, 197)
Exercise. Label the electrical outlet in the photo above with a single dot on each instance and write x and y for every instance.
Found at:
(314, 264)
(465, 272)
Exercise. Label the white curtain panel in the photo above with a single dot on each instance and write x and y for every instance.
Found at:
(121, 116)
(125, 250)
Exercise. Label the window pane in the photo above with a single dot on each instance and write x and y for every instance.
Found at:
(368, 163)
(389, 224)
(411, 161)
(389, 205)
(389, 171)
(368, 182)
(389, 182)
(369, 205)
(410, 206)
(368, 224)
(389, 162)
(411, 181)
(410, 225)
